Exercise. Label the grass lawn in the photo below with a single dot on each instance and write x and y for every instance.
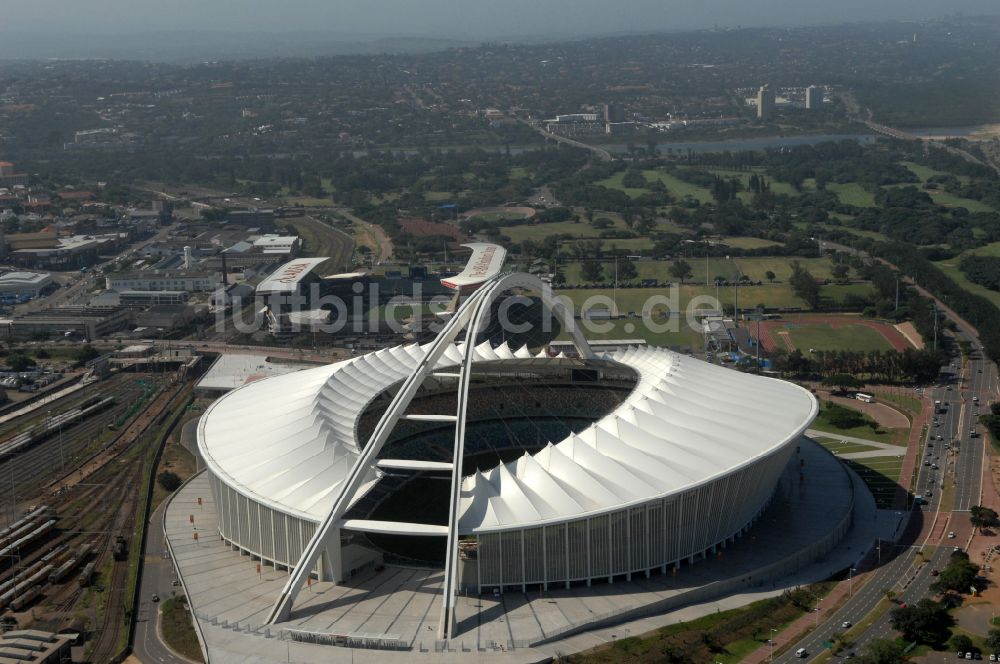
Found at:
(777, 186)
(822, 336)
(912, 405)
(539, 232)
(438, 195)
(178, 630)
(679, 188)
(951, 200)
(683, 338)
(992, 249)
(950, 268)
(755, 268)
(725, 637)
(852, 193)
(881, 475)
(925, 173)
(843, 447)
(175, 459)
(866, 432)
(615, 182)
(633, 299)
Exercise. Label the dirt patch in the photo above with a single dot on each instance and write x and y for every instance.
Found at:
(525, 212)
(424, 228)
(975, 618)
(911, 334)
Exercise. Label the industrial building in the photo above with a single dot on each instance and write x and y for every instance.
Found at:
(29, 284)
(163, 280)
(649, 460)
(30, 646)
(84, 322)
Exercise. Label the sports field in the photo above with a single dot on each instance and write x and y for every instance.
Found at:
(824, 337)
(827, 333)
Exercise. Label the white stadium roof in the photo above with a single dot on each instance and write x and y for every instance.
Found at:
(289, 441)
(287, 277)
(484, 264)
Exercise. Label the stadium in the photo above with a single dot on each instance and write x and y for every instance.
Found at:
(555, 471)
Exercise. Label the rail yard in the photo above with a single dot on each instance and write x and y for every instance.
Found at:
(75, 478)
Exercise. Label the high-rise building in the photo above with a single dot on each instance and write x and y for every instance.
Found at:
(614, 113)
(765, 103)
(814, 97)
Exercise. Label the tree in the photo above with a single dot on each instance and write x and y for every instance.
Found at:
(926, 621)
(169, 480)
(592, 271)
(681, 270)
(961, 643)
(882, 651)
(993, 640)
(20, 362)
(86, 353)
(627, 270)
(804, 285)
(959, 575)
(770, 276)
(982, 517)
(843, 382)
(840, 271)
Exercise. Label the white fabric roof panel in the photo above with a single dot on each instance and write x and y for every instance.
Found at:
(288, 441)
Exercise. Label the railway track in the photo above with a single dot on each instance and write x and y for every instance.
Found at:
(22, 475)
(95, 503)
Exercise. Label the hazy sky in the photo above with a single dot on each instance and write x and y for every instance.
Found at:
(460, 19)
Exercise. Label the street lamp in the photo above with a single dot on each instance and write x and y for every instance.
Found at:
(816, 612)
(771, 641)
(850, 580)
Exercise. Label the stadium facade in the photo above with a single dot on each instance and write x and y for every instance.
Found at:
(687, 461)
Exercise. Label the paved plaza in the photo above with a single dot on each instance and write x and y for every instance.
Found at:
(402, 604)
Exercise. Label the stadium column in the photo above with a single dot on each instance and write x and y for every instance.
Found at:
(331, 565)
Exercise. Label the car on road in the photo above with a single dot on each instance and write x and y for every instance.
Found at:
(846, 624)
(928, 493)
(935, 572)
(155, 597)
(801, 653)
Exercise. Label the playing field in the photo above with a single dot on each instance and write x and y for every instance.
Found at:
(822, 336)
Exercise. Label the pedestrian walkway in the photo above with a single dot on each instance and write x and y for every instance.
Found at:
(816, 433)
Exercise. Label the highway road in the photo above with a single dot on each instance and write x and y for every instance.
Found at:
(934, 527)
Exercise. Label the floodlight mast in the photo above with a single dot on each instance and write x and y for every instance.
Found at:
(471, 317)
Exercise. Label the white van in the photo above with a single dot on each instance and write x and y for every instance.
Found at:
(801, 653)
